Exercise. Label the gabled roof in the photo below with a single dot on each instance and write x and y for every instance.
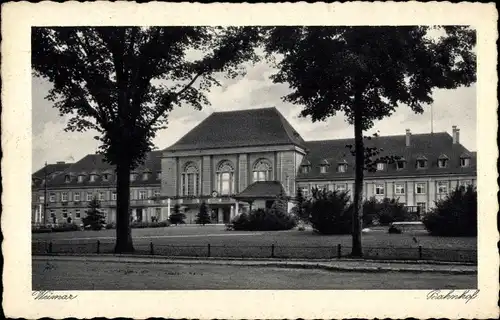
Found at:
(95, 164)
(230, 129)
(429, 146)
(262, 190)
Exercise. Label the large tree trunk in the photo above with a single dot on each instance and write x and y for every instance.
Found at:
(357, 212)
(123, 231)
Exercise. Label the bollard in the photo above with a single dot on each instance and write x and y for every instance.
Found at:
(50, 247)
(208, 254)
(98, 246)
(420, 252)
(151, 249)
(272, 250)
(339, 251)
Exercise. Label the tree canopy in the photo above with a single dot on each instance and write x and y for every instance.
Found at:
(365, 73)
(123, 82)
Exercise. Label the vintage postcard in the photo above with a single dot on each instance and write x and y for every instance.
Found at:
(249, 161)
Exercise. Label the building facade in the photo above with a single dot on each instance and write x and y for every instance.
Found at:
(241, 160)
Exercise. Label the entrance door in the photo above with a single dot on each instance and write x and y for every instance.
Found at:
(138, 213)
(215, 215)
(226, 214)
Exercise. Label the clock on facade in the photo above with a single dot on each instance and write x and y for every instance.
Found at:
(214, 194)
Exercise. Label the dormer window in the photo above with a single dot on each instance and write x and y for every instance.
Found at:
(342, 167)
(465, 161)
(306, 169)
(133, 176)
(145, 176)
(381, 166)
(93, 177)
(443, 161)
(158, 175)
(323, 167)
(400, 164)
(421, 162)
(67, 178)
(105, 177)
(80, 178)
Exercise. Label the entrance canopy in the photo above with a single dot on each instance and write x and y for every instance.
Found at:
(261, 190)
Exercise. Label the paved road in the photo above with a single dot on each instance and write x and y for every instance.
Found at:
(49, 274)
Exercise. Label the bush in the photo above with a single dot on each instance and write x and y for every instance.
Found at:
(41, 229)
(65, 227)
(111, 225)
(94, 218)
(385, 212)
(330, 212)
(274, 218)
(177, 217)
(140, 225)
(203, 217)
(455, 216)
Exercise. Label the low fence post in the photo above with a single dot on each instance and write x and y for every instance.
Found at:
(339, 251)
(208, 253)
(272, 250)
(151, 249)
(420, 252)
(98, 246)
(50, 247)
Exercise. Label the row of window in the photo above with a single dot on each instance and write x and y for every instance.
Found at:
(107, 177)
(101, 196)
(78, 213)
(399, 188)
(421, 163)
(224, 177)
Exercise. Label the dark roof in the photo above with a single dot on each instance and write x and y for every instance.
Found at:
(262, 190)
(95, 164)
(51, 169)
(252, 127)
(428, 146)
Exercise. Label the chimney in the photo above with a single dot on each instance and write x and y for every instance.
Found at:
(408, 137)
(456, 135)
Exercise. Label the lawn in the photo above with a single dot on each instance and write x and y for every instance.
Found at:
(195, 240)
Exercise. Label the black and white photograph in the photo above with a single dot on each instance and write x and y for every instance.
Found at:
(263, 157)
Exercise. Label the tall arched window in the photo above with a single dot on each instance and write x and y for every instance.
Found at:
(190, 180)
(225, 177)
(262, 170)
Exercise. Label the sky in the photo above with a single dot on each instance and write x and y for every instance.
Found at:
(254, 90)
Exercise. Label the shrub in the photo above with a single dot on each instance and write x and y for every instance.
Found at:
(384, 212)
(177, 217)
(94, 218)
(65, 227)
(456, 215)
(111, 225)
(40, 229)
(203, 217)
(299, 209)
(274, 218)
(330, 212)
(140, 225)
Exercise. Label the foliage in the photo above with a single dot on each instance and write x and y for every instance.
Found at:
(140, 225)
(456, 215)
(65, 227)
(274, 218)
(123, 81)
(110, 225)
(203, 217)
(41, 229)
(365, 73)
(330, 212)
(94, 218)
(385, 212)
(300, 210)
(177, 217)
